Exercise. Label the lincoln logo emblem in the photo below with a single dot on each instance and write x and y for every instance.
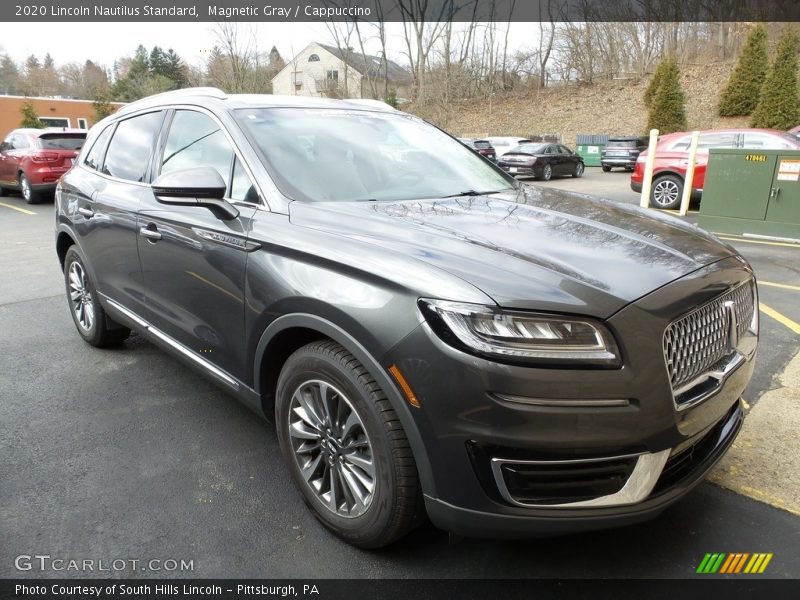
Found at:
(733, 326)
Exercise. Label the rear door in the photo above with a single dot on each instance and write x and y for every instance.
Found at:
(106, 207)
(194, 263)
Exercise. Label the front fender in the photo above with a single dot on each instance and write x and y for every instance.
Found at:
(370, 363)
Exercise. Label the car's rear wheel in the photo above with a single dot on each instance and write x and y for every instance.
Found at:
(578, 172)
(3, 191)
(606, 168)
(547, 172)
(345, 447)
(93, 325)
(666, 192)
(28, 194)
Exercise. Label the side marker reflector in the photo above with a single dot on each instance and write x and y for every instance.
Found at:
(401, 381)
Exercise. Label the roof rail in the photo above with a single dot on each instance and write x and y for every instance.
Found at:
(192, 91)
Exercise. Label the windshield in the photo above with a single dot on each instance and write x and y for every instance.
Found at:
(62, 142)
(343, 155)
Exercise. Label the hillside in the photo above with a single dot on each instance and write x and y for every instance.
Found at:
(607, 107)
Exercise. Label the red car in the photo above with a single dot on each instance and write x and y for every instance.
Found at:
(32, 160)
(672, 157)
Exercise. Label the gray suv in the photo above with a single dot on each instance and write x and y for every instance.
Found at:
(430, 336)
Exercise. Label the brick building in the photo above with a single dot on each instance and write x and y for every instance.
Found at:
(55, 112)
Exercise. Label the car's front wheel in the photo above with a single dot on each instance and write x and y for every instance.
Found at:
(547, 172)
(93, 325)
(666, 192)
(346, 450)
(578, 172)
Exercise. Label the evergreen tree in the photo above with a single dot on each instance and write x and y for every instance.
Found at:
(9, 76)
(30, 118)
(778, 106)
(655, 81)
(102, 106)
(667, 110)
(740, 96)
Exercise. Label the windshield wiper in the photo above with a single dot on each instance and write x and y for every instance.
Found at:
(474, 193)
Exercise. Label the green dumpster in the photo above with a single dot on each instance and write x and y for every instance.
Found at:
(755, 192)
(590, 147)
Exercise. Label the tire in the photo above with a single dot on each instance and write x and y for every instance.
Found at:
(666, 192)
(606, 169)
(373, 451)
(28, 194)
(91, 321)
(579, 168)
(3, 192)
(547, 173)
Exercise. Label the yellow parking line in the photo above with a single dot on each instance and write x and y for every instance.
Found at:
(746, 241)
(22, 210)
(783, 320)
(783, 286)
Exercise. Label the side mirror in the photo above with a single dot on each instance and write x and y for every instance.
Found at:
(198, 186)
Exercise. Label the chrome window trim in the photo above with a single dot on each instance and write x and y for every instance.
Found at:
(262, 204)
(641, 482)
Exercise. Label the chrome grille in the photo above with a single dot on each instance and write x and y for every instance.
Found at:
(699, 340)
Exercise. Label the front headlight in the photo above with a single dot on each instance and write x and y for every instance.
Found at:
(516, 336)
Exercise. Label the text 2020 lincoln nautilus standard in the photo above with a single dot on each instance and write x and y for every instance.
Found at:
(429, 336)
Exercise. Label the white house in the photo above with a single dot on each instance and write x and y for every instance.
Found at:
(322, 70)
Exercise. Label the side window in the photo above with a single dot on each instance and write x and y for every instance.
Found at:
(242, 187)
(564, 150)
(6, 145)
(549, 150)
(94, 159)
(195, 140)
(716, 140)
(765, 142)
(131, 147)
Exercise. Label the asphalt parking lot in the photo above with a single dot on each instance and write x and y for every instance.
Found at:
(126, 453)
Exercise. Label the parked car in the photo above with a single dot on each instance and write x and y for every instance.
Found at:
(428, 335)
(482, 147)
(622, 152)
(795, 131)
(32, 160)
(672, 155)
(542, 161)
(502, 145)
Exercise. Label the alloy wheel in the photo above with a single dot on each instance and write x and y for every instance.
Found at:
(665, 192)
(80, 296)
(25, 185)
(331, 448)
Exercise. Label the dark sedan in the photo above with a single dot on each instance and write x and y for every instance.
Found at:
(542, 161)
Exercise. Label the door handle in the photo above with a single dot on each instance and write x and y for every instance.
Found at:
(773, 192)
(86, 212)
(150, 234)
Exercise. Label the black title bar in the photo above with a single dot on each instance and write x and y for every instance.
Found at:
(287, 11)
(701, 587)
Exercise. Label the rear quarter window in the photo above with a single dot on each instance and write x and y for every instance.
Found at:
(94, 159)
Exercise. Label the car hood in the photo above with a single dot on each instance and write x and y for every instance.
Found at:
(535, 248)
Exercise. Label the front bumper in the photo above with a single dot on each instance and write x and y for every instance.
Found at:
(469, 418)
(480, 524)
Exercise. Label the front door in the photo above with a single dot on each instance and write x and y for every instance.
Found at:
(193, 263)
